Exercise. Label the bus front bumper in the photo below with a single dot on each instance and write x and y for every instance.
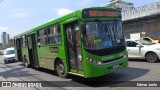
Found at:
(93, 70)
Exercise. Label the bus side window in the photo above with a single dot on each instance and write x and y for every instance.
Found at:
(42, 37)
(54, 35)
(57, 34)
(69, 36)
(24, 41)
(50, 35)
(77, 35)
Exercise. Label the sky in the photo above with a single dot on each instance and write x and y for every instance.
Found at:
(17, 16)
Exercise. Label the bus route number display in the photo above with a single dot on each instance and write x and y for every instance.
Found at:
(100, 13)
(108, 43)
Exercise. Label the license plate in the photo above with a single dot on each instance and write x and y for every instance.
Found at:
(115, 66)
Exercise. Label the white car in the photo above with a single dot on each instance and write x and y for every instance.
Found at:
(9, 55)
(142, 49)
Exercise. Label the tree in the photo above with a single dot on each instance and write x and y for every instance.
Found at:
(9, 44)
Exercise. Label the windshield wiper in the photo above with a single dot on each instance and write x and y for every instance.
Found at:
(100, 23)
(114, 29)
(103, 26)
(108, 30)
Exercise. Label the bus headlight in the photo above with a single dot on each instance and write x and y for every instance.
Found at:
(94, 61)
(99, 63)
(125, 56)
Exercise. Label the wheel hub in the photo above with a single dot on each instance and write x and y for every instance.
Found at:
(61, 69)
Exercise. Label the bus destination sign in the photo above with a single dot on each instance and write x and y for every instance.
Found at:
(100, 13)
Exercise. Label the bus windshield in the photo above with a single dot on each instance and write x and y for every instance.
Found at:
(103, 34)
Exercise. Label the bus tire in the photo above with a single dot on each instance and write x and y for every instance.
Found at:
(60, 69)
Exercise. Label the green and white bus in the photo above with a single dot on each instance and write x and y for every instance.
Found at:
(87, 43)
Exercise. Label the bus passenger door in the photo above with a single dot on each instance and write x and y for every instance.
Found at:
(74, 46)
(19, 49)
(32, 50)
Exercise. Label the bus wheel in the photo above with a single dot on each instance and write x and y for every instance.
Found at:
(61, 69)
(151, 57)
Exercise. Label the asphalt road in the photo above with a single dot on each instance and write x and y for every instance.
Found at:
(138, 70)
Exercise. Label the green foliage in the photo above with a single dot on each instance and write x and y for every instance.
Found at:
(9, 44)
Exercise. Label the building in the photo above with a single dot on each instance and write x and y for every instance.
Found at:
(4, 38)
(124, 6)
(144, 19)
(1, 46)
